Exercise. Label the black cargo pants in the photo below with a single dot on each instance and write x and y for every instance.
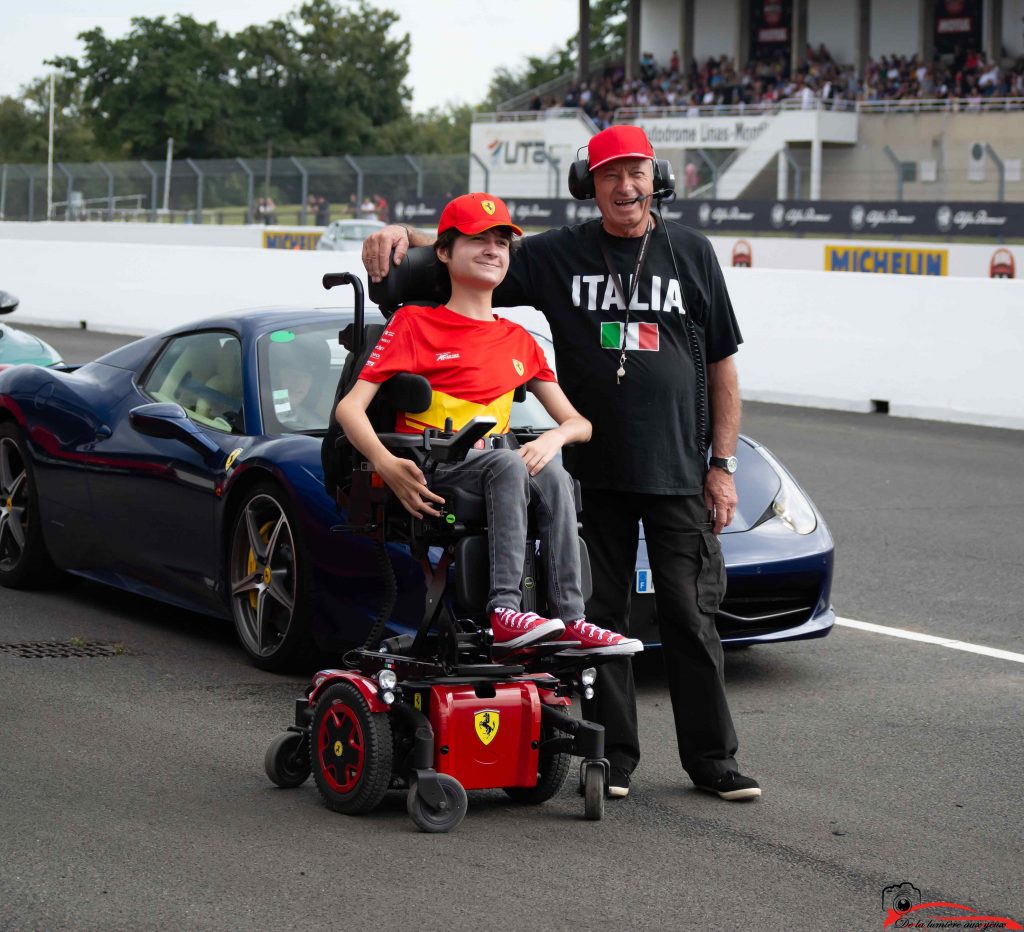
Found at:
(689, 584)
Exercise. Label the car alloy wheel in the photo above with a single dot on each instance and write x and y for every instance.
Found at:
(24, 562)
(267, 587)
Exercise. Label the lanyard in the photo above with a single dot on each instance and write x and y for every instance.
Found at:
(616, 280)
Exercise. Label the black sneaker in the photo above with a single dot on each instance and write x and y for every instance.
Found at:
(618, 784)
(733, 786)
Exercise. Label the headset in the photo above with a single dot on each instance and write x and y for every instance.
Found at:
(581, 181)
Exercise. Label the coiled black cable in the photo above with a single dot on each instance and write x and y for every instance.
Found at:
(693, 343)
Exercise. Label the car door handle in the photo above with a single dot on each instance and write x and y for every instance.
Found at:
(103, 432)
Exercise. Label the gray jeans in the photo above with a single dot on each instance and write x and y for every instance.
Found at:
(507, 487)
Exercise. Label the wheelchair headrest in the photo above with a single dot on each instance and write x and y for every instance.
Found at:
(418, 280)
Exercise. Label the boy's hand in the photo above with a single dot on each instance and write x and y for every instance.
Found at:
(406, 480)
(538, 453)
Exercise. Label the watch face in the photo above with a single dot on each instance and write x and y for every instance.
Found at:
(731, 463)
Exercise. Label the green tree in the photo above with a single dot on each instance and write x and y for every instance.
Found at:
(24, 124)
(325, 78)
(161, 79)
(439, 131)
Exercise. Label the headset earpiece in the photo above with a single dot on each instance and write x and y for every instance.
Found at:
(581, 181)
(664, 176)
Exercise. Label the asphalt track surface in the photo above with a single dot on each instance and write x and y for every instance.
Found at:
(132, 794)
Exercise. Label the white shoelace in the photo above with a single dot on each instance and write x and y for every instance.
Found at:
(514, 619)
(590, 630)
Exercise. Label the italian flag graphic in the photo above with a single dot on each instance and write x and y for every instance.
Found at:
(638, 336)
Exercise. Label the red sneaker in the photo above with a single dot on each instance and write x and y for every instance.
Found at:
(517, 629)
(595, 640)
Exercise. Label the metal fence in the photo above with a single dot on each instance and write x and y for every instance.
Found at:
(226, 190)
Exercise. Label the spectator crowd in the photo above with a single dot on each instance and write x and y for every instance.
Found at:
(768, 79)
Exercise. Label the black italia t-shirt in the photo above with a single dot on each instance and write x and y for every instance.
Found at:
(645, 427)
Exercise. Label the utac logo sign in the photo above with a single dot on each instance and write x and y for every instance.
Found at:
(521, 153)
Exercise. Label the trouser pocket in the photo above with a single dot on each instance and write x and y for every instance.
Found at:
(711, 579)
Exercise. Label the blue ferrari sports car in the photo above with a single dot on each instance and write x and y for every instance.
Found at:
(186, 467)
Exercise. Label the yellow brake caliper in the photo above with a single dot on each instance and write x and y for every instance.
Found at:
(250, 564)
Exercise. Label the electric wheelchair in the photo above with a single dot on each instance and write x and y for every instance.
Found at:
(441, 711)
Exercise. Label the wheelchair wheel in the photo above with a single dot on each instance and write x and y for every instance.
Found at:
(438, 820)
(351, 750)
(287, 760)
(593, 793)
(552, 770)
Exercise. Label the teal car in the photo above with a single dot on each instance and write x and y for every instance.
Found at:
(18, 347)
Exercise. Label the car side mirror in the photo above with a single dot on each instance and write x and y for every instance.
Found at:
(8, 302)
(169, 421)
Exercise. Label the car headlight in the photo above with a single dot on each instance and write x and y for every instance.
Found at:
(387, 679)
(790, 504)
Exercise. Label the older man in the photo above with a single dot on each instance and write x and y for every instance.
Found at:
(644, 335)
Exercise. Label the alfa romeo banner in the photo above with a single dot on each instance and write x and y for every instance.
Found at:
(947, 219)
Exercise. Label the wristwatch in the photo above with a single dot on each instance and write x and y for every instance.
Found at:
(728, 463)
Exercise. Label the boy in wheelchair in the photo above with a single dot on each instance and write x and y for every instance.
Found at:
(474, 362)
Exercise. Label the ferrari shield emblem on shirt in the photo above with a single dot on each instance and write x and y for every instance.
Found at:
(518, 366)
(486, 724)
(488, 207)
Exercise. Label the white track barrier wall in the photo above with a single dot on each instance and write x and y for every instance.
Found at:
(940, 348)
(143, 289)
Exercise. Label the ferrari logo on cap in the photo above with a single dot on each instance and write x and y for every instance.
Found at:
(488, 207)
(518, 366)
(486, 724)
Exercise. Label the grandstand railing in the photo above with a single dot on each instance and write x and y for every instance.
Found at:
(838, 105)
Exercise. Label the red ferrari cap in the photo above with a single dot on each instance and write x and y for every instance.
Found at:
(618, 142)
(474, 213)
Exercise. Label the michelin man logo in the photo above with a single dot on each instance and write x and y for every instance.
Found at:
(857, 217)
(778, 216)
(704, 214)
(944, 218)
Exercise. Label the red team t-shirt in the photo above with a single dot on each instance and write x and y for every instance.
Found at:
(473, 366)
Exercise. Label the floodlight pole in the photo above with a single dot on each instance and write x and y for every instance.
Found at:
(49, 157)
(167, 175)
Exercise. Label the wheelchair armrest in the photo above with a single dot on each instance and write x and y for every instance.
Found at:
(395, 441)
(453, 449)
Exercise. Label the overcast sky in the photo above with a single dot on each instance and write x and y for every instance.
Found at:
(456, 44)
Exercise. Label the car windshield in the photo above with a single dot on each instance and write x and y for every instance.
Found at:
(299, 369)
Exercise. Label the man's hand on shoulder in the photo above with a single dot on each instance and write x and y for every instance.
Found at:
(377, 249)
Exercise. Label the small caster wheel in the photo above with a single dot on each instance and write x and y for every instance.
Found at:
(593, 793)
(428, 819)
(287, 760)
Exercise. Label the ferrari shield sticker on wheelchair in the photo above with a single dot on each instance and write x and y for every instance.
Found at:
(486, 724)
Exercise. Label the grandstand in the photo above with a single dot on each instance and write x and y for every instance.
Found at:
(796, 99)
